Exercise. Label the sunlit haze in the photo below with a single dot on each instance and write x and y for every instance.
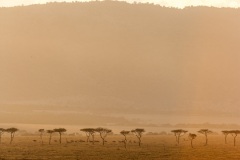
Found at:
(167, 3)
(119, 64)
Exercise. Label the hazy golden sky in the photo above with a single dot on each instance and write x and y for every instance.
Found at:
(104, 62)
(169, 3)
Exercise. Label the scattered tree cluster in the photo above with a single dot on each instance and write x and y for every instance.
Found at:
(60, 131)
(90, 132)
(178, 133)
(234, 133)
(11, 131)
(104, 132)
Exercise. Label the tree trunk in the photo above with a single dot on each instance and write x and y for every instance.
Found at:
(125, 142)
(191, 143)
(87, 138)
(103, 141)
(235, 140)
(41, 138)
(139, 142)
(1, 137)
(178, 139)
(12, 135)
(206, 140)
(60, 138)
(93, 139)
(50, 139)
(225, 139)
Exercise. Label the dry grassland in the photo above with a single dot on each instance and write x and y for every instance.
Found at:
(153, 147)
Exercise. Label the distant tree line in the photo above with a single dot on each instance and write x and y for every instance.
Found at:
(103, 132)
(91, 132)
(180, 132)
(138, 132)
(60, 131)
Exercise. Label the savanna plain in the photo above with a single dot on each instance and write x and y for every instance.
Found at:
(120, 65)
(153, 147)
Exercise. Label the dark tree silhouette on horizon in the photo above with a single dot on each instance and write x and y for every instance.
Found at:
(226, 133)
(2, 130)
(12, 132)
(89, 132)
(192, 137)
(103, 132)
(41, 134)
(138, 133)
(205, 132)
(50, 132)
(125, 133)
(60, 131)
(179, 133)
(234, 133)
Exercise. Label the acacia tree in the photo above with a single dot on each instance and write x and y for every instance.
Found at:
(50, 132)
(225, 134)
(60, 131)
(2, 130)
(179, 133)
(192, 137)
(41, 134)
(234, 133)
(125, 133)
(12, 132)
(138, 133)
(205, 132)
(103, 133)
(89, 132)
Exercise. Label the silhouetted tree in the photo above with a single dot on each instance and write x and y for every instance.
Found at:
(12, 132)
(125, 133)
(103, 133)
(234, 133)
(138, 132)
(192, 137)
(88, 132)
(225, 135)
(60, 131)
(2, 130)
(41, 134)
(179, 133)
(205, 132)
(50, 132)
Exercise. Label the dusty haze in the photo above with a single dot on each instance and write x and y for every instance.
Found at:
(113, 63)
